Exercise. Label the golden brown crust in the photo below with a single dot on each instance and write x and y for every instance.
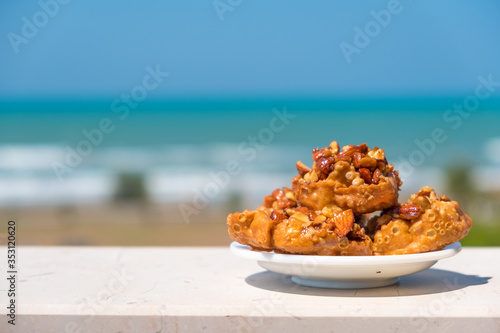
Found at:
(357, 178)
(299, 231)
(361, 199)
(252, 228)
(439, 223)
(293, 236)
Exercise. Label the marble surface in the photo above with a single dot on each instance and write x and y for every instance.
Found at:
(208, 289)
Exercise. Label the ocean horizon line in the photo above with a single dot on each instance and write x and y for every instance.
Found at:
(248, 103)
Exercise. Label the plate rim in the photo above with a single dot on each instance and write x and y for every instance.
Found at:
(245, 252)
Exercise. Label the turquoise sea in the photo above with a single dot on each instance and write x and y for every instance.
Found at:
(169, 140)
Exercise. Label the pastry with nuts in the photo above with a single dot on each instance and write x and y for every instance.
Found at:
(330, 211)
(356, 177)
(424, 223)
(254, 228)
(283, 226)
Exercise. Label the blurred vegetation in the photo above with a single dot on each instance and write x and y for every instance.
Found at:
(482, 234)
(459, 183)
(482, 207)
(235, 202)
(130, 187)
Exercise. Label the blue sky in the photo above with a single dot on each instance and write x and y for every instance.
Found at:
(260, 48)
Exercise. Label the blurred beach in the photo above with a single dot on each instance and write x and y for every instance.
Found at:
(170, 171)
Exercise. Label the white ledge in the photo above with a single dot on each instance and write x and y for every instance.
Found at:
(109, 289)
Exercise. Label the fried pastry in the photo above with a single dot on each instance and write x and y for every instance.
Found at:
(356, 177)
(424, 223)
(284, 227)
(327, 211)
(254, 228)
(315, 233)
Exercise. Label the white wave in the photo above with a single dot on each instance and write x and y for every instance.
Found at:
(214, 185)
(29, 157)
(418, 178)
(84, 187)
(486, 178)
(492, 150)
(173, 173)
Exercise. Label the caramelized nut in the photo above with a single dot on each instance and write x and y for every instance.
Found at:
(319, 219)
(300, 209)
(312, 215)
(302, 168)
(368, 162)
(278, 194)
(311, 177)
(301, 216)
(378, 154)
(334, 145)
(324, 164)
(341, 223)
(347, 147)
(376, 176)
(423, 193)
(444, 198)
(327, 211)
(422, 201)
(349, 150)
(406, 211)
(341, 157)
(278, 216)
(318, 153)
(356, 159)
(366, 175)
(268, 201)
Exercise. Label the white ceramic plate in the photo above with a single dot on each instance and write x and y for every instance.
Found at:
(345, 272)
